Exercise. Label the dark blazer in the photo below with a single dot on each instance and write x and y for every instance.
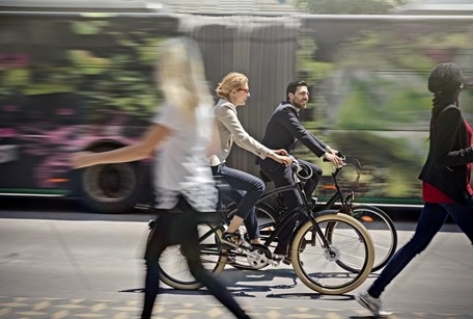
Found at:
(445, 167)
(284, 130)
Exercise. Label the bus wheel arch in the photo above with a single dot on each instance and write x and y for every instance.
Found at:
(109, 188)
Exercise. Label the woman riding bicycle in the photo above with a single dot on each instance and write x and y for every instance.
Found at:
(234, 91)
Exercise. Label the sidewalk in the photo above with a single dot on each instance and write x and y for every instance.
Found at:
(169, 307)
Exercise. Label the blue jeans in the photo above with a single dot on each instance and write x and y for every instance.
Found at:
(248, 190)
(430, 222)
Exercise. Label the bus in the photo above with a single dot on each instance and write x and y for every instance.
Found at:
(75, 79)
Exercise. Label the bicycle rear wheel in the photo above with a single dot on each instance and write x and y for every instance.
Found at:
(318, 267)
(174, 270)
(382, 230)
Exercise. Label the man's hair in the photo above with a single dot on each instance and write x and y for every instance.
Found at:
(292, 86)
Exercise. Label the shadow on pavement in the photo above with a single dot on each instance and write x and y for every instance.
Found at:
(233, 277)
(241, 283)
(312, 296)
(238, 282)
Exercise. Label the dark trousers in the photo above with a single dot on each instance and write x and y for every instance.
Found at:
(180, 228)
(247, 190)
(430, 222)
(283, 176)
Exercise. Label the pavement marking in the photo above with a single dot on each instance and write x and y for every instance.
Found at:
(58, 308)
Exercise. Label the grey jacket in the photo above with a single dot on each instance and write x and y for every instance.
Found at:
(231, 130)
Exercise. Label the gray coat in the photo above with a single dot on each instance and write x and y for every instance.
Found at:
(231, 130)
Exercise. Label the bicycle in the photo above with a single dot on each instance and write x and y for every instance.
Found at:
(310, 248)
(375, 220)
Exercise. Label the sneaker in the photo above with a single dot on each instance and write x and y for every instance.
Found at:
(236, 239)
(372, 304)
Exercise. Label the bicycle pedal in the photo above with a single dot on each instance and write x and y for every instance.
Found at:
(274, 263)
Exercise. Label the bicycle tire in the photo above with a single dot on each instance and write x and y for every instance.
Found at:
(172, 263)
(262, 209)
(377, 223)
(302, 258)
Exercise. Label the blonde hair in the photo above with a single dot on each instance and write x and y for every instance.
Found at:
(180, 76)
(233, 80)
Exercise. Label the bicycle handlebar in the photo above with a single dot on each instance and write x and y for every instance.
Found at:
(339, 154)
(345, 161)
(302, 171)
(308, 172)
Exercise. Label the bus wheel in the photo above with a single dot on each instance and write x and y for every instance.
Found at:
(109, 188)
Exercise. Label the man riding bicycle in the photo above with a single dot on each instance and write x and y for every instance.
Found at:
(283, 131)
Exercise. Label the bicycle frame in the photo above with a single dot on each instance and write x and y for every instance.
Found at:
(289, 219)
(307, 209)
(338, 195)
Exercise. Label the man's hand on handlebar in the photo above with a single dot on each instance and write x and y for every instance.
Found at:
(334, 158)
(332, 151)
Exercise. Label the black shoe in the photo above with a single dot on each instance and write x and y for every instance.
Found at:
(151, 224)
(282, 258)
(280, 255)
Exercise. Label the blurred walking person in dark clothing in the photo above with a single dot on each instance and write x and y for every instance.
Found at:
(446, 179)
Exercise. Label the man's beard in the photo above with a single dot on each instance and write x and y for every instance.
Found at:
(300, 105)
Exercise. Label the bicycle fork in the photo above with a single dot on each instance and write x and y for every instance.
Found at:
(331, 253)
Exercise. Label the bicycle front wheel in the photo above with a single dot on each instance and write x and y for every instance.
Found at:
(174, 270)
(319, 267)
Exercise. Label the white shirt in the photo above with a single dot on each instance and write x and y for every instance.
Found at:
(181, 166)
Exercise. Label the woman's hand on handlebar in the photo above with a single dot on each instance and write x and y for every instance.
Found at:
(280, 158)
(281, 151)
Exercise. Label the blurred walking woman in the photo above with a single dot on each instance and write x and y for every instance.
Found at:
(184, 184)
(233, 92)
(445, 175)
